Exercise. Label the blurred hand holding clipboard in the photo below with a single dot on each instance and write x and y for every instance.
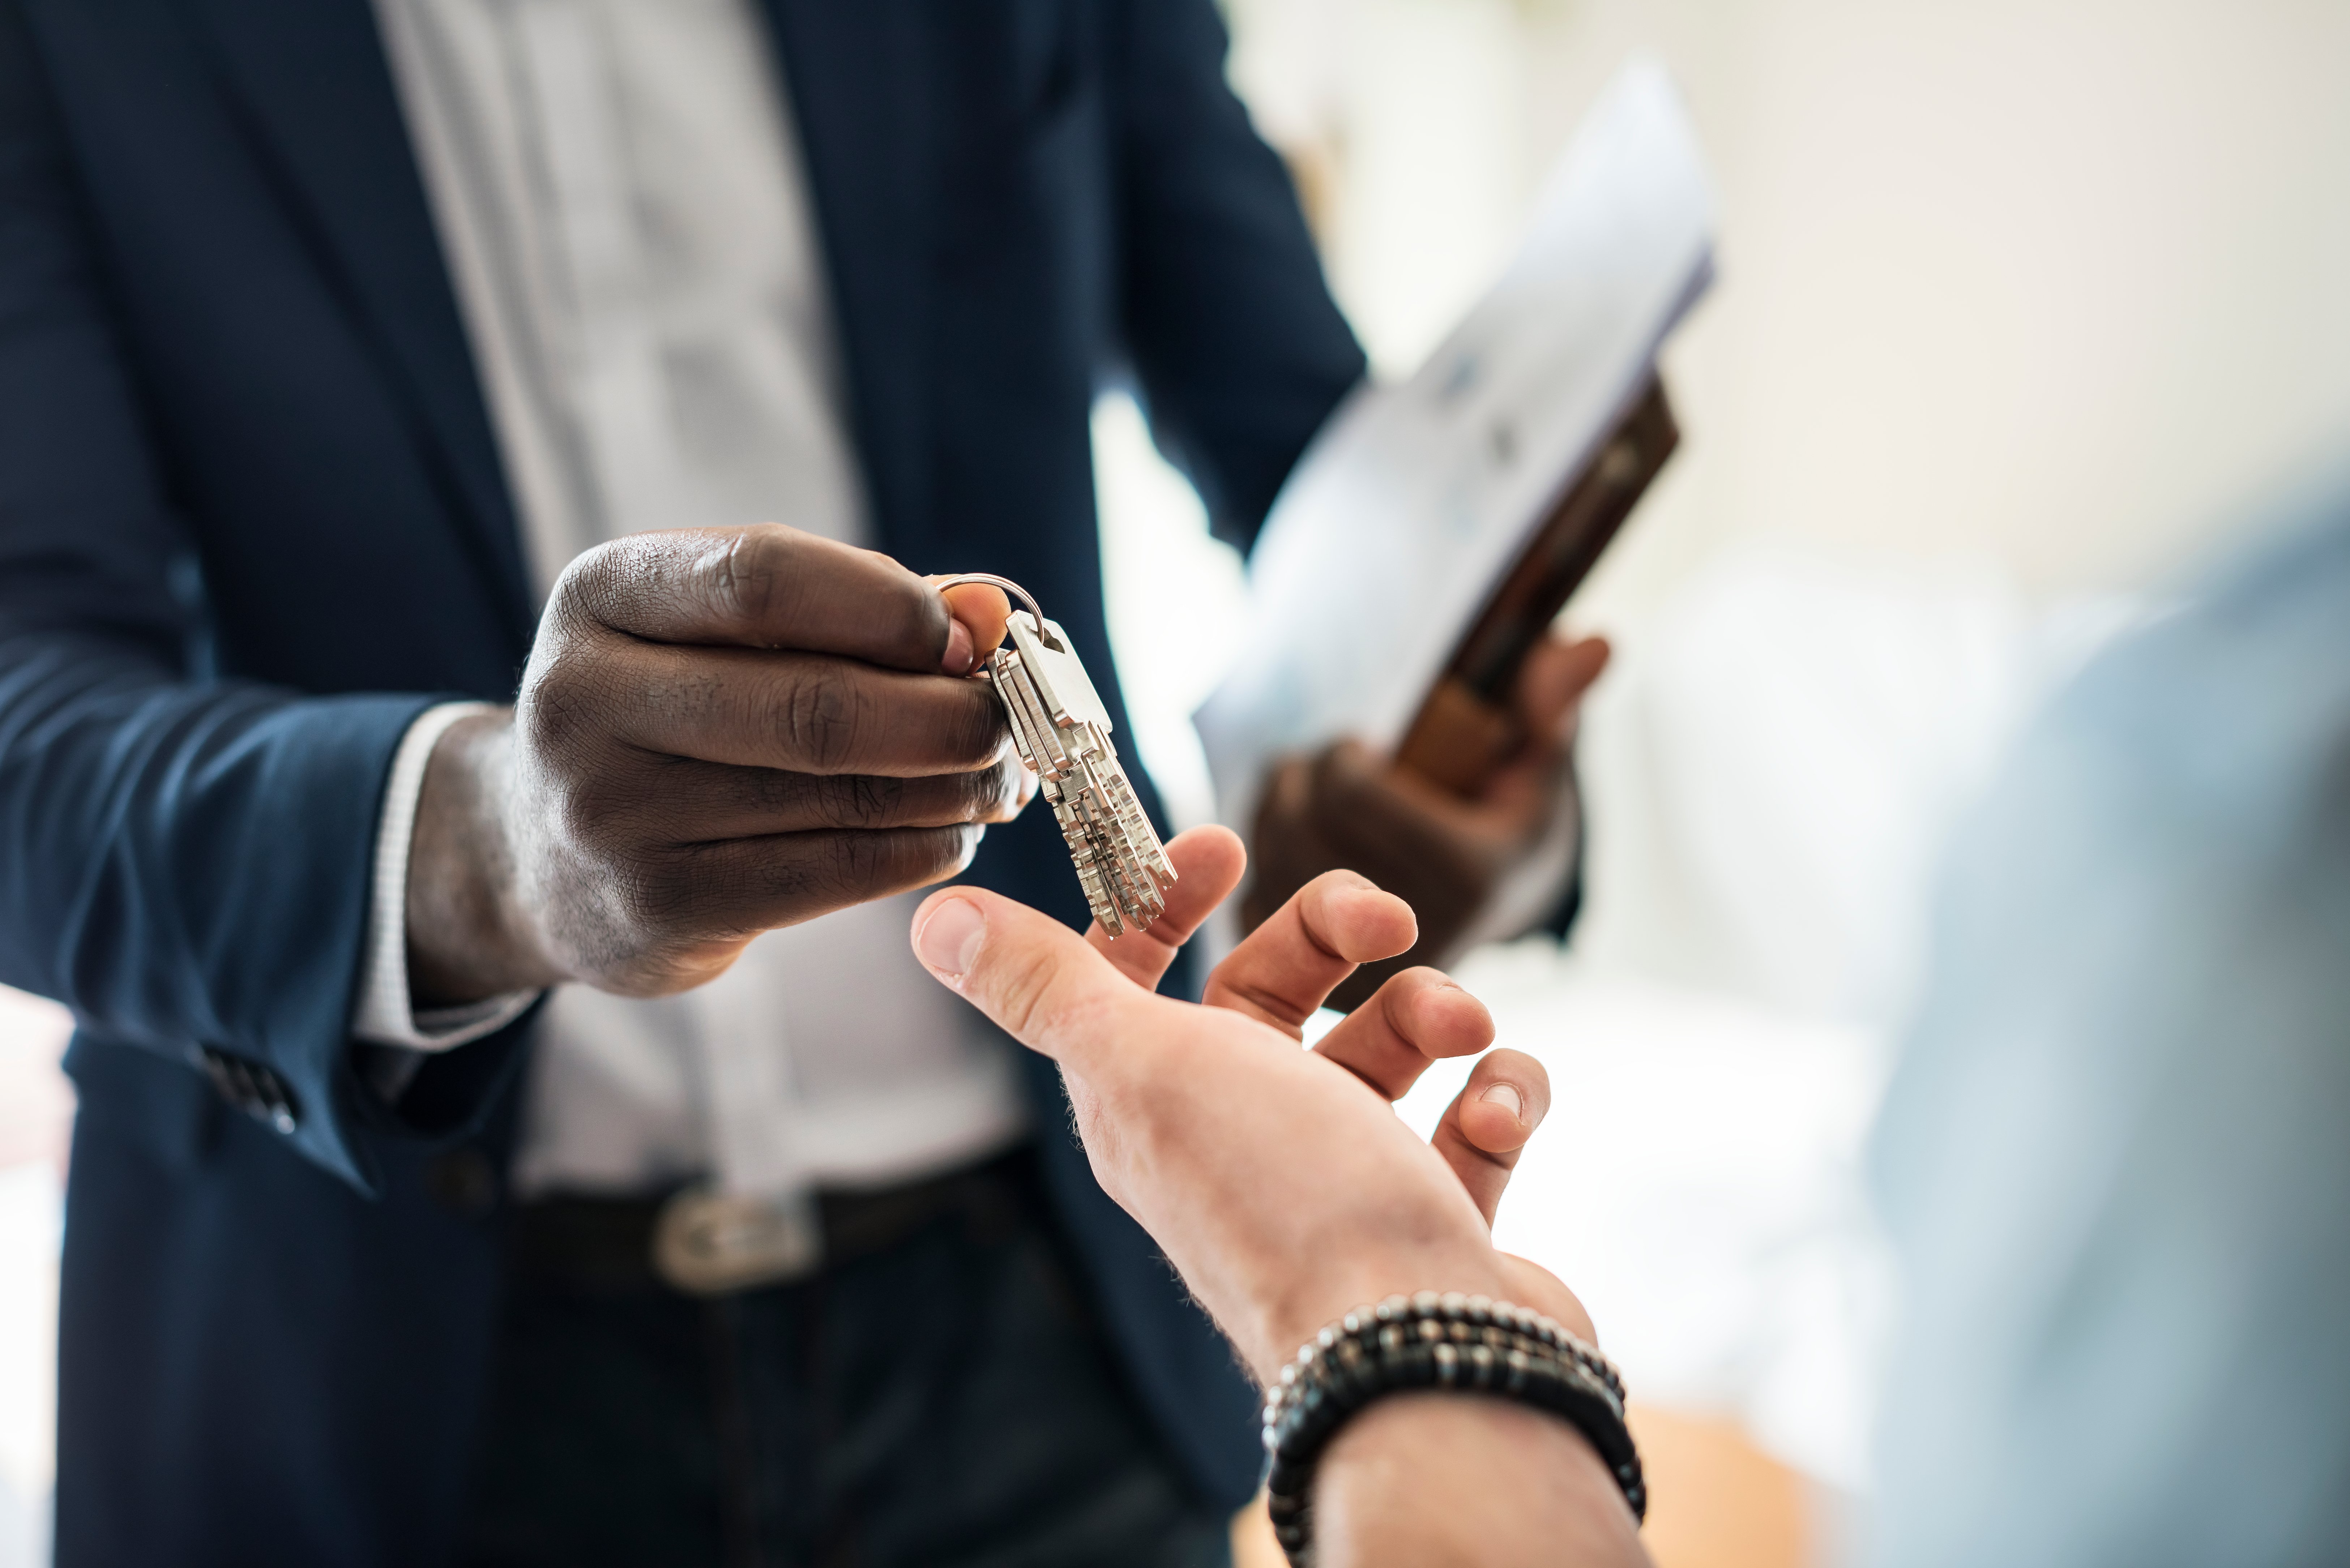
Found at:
(1435, 527)
(1467, 724)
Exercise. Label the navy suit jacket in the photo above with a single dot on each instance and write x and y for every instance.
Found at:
(253, 522)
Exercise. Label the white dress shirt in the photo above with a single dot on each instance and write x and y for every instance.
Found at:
(618, 193)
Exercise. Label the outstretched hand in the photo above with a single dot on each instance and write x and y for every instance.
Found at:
(1279, 1181)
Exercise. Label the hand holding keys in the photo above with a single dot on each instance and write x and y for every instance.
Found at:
(1061, 732)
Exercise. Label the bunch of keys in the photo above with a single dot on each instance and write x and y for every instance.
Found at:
(1061, 732)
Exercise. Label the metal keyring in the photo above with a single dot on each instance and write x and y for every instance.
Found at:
(1009, 587)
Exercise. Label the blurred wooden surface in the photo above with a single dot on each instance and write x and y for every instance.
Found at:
(1715, 1500)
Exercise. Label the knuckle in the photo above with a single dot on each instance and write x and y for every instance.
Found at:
(997, 793)
(820, 716)
(1023, 988)
(865, 863)
(643, 886)
(616, 907)
(559, 711)
(877, 801)
(798, 877)
(594, 804)
(574, 716)
(1398, 1007)
(1270, 1002)
(867, 801)
(841, 868)
(609, 588)
(969, 797)
(585, 582)
(749, 578)
(970, 733)
(1314, 915)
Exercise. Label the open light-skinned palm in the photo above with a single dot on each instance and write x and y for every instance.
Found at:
(1279, 1181)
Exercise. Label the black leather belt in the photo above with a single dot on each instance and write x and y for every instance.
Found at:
(609, 1245)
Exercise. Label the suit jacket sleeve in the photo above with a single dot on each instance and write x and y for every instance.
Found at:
(186, 858)
(1240, 351)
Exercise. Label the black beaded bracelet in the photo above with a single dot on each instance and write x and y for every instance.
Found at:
(1471, 1344)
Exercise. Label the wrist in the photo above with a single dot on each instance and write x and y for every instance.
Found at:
(1312, 1304)
(1438, 1479)
(1406, 1349)
(469, 936)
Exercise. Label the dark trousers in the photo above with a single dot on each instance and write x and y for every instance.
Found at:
(943, 1396)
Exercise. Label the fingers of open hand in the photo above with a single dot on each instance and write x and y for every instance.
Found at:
(1038, 980)
(1288, 965)
(1487, 1125)
(1416, 1018)
(1208, 865)
(808, 714)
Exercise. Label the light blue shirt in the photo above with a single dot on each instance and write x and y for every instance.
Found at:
(2116, 1157)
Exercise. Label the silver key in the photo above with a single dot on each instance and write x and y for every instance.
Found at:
(1061, 732)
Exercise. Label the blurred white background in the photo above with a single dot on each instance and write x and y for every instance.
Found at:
(2022, 305)
(36, 1108)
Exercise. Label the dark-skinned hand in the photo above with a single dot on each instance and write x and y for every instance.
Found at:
(1346, 806)
(719, 731)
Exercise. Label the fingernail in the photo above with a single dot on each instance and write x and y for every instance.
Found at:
(958, 661)
(949, 940)
(1506, 1096)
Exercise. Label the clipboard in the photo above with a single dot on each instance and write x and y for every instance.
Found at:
(1435, 525)
(1466, 727)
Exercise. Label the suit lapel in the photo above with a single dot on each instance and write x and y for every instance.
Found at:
(316, 90)
(318, 94)
(861, 88)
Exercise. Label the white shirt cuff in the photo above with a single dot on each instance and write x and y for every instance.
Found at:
(387, 1015)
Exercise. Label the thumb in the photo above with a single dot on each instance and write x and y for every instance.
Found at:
(1555, 676)
(980, 613)
(1042, 983)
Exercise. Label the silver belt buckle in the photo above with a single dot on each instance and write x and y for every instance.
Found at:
(711, 1243)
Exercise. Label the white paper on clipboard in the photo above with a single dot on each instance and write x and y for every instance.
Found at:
(1414, 499)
